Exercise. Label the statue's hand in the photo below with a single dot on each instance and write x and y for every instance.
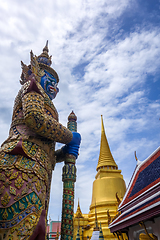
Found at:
(73, 146)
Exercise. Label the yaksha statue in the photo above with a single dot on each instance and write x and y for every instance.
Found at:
(28, 156)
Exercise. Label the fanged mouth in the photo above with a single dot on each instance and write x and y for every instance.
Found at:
(52, 89)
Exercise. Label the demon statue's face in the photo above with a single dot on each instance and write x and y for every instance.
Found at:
(49, 84)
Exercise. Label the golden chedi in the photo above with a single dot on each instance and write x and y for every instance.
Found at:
(108, 190)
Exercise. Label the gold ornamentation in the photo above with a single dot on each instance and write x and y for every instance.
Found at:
(7, 183)
(7, 148)
(2, 177)
(13, 230)
(12, 190)
(14, 175)
(15, 220)
(150, 236)
(8, 172)
(34, 198)
(25, 190)
(30, 175)
(17, 197)
(5, 215)
(118, 199)
(43, 186)
(10, 237)
(31, 149)
(14, 212)
(25, 177)
(30, 185)
(42, 197)
(9, 210)
(7, 160)
(1, 190)
(21, 206)
(19, 182)
(28, 202)
(38, 186)
(35, 179)
(109, 217)
(25, 228)
(25, 164)
(5, 199)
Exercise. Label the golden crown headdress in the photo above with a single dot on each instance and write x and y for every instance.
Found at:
(38, 65)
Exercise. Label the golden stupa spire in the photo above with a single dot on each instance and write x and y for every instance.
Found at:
(78, 212)
(105, 156)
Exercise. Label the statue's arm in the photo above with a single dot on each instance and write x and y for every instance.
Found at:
(39, 122)
(60, 155)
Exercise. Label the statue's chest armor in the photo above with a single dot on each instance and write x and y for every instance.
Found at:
(18, 122)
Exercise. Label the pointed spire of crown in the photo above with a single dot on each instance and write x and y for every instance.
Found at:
(105, 156)
(44, 58)
(45, 49)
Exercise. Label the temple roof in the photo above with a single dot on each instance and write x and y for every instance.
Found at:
(142, 198)
(78, 213)
(105, 156)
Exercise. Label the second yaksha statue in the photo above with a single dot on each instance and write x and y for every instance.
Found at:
(28, 156)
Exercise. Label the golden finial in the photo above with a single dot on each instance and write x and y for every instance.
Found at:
(138, 162)
(102, 125)
(118, 199)
(135, 156)
(105, 156)
(109, 217)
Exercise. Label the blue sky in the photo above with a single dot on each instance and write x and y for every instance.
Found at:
(107, 56)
